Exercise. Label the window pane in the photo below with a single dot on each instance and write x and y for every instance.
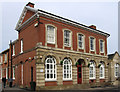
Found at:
(50, 34)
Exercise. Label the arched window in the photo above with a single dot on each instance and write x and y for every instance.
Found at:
(50, 68)
(67, 69)
(116, 69)
(102, 71)
(92, 73)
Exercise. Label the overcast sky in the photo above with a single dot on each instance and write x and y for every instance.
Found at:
(102, 14)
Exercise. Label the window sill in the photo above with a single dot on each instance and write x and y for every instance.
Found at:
(50, 43)
(92, 50)
(81, 48)
(50, 80)
(13, 55)
(92, 78)
(67, 80)
(67, 46)
(101, 52)
(102, 78)
(21, 52)
(13, 78)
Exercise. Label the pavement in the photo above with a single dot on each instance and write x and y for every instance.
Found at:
(99, 89)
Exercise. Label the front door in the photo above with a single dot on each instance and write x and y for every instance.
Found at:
(79, 73)
(31, 73)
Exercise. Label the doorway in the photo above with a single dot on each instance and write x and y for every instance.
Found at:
(79, 71)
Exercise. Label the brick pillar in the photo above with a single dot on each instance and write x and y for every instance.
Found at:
(74, 74)
(59, 74)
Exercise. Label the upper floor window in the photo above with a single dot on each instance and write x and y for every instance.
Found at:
(21, 46)
(14, 72)
(67, 69)
(50, 68)
(101, 69)
(80, 41)
(67, 38)
(1, 59)
(50, 34)
(92, 73)
(116, 70)
(6, 57)
(92, 43)
(101, 46)
(1, 73)
(13, 50)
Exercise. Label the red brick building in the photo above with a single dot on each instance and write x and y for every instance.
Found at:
(52, 51)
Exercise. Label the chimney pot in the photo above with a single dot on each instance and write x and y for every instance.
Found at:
(92, 26)
(30, 4)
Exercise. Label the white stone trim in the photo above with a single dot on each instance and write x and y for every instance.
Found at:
(69, 51)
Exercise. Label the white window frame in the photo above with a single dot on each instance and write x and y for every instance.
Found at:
(81, 41)
(102, 50)
(67, 71)
(102, 72)
(6, 57)
(6, 73)
(67, 44)
(21, 46)
(1, 59)
(14, 72)
(116, 70)
(49, 71)
(93, 44)
(93, 71)
(13, 49)
(1, 73)
(49, 35)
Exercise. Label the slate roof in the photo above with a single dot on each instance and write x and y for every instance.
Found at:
(111, 56)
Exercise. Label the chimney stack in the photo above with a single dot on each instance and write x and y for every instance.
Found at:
(92, 26)
(30, 4)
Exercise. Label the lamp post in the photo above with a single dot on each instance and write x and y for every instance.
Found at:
(11, 64)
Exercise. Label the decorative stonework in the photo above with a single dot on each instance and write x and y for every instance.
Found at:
(59, 55)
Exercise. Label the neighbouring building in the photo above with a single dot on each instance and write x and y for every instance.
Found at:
(4, 64)
(55, 51)
(114, 68)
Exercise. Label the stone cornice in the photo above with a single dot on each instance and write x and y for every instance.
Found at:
(68, 51)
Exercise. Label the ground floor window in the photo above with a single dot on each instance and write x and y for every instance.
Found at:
(116, 70)
(92, 70)
(50, 68)
(102, 72)
(13, 72)
(67, 69)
